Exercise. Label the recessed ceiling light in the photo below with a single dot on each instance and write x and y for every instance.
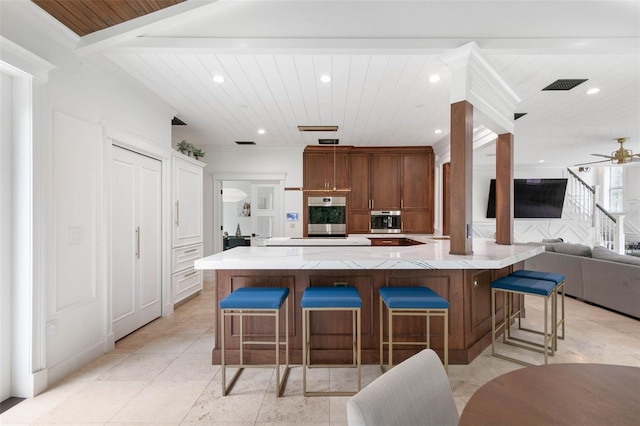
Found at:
(261, 131)
(434, 78)
(540, 161)
(325, 78)
(437, 131)
(593, 91)
(218, 78)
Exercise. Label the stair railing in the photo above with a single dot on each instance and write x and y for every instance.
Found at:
(583, 202)
(581, 197)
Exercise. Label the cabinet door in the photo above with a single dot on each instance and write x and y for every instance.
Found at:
(417, 175)
(359, 222)
(314, 171)
(359, 181)
(417, 221)
(385, 181)
(187, 203)
(339, 176)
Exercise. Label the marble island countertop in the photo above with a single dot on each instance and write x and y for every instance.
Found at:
(433, 254)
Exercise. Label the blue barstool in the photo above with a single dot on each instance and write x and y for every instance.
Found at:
(323, 299)
(256, 302)
(412, 301)
(559, 281)
(509, 286)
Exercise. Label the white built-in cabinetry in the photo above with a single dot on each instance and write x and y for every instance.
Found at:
(187, 225)
(136, 240)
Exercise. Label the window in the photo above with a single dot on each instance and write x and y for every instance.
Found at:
(616, 181)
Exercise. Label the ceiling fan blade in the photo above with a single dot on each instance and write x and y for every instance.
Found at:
(606, 156)
(593, 162)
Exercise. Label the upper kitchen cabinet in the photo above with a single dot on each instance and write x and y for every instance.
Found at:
(187, 197)
(375, 179)
(392, 178)
(385, 181)
(326, 168)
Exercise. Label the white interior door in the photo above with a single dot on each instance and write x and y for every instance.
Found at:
(266, 213)
(136, 241)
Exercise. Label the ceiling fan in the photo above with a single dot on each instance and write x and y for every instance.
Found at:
(620, 156)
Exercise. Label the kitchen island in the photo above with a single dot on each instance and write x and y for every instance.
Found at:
(465, 281)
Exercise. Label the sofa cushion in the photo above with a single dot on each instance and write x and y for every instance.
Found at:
(572, 249)
(606, 254)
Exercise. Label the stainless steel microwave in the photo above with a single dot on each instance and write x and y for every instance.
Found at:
(386, 222)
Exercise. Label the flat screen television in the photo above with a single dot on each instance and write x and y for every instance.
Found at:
(532, 198)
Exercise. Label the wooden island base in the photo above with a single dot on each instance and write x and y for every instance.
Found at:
(467, 290)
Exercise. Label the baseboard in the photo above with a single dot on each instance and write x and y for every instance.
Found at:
(63, 369)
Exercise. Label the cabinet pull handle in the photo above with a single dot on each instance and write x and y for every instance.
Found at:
(190, 273)
(178, 213)
(190, 251)
(138, 242)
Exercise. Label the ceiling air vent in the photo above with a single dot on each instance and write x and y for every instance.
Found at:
(177, 122)
(245, 142)
(328, 141)
(518, 115)
(564, 84)
(318, 128)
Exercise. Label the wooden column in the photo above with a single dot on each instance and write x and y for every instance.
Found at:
(504, 189)
(461, 213)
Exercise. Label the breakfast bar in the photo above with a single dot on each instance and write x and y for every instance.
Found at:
(368, 265)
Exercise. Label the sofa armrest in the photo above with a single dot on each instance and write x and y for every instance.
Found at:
(559, 263)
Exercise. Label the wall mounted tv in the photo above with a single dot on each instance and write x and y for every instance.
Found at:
(532, 198)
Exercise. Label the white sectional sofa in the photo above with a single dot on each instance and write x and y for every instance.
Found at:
(598, 276)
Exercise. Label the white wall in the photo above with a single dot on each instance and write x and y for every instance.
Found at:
(526, 230)
(79, 100)
(632, 202)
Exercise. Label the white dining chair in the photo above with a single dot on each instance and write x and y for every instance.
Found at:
(414, 392)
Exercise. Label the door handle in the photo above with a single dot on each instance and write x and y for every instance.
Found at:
(178, 213)
(138, 242)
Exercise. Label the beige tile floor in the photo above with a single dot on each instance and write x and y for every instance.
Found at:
(162, 375)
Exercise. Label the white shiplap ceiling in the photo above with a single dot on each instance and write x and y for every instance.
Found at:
(380, 55)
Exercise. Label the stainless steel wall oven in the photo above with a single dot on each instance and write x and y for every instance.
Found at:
(327, 216)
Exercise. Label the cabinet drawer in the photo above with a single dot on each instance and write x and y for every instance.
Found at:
(182, 258)
(186, 283)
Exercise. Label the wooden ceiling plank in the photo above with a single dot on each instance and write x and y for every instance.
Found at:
(63, 11)
(87, 16)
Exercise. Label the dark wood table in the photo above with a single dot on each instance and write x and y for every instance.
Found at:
(558, 394)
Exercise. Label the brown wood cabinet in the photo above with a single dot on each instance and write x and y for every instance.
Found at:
(326, 168)
(417, 188)
(359, 220)
(385, 181)
(376, 178)
(392, 178)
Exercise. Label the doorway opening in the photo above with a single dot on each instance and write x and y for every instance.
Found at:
(247, 209)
